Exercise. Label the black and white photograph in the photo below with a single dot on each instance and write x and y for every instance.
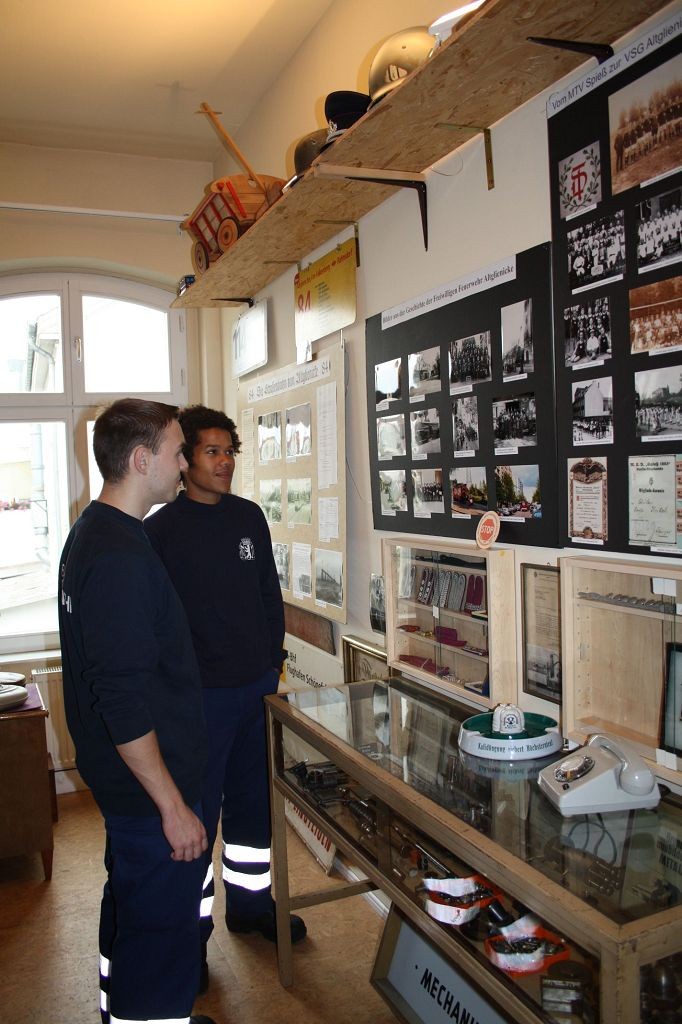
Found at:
(299, 501)
(271, 500)
(656, 316)
(580, 181)
(281, 556)
(468, 491)
(658, 403)
(393, 491)
(391, 436)
(427, 485)
(423, 370)
(377, 603)
(465, 424)
(645, 127)
(424, 433)
(469, 360)
(596, 252)
(517, 339)
(298, 431)
(514, 422)
(269, 437)
(592, 403)
(329, 577)
(587, 333)
(659, 223)
(517, 492)
(388, 382)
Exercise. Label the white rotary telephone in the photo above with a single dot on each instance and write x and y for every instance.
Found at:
(605, 775)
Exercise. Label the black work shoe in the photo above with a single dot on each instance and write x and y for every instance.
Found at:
(266, 925)
(201, 1019)
(203, 976)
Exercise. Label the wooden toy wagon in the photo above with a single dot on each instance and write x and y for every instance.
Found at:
(230, 205)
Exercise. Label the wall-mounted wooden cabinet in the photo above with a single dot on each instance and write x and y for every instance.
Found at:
(451, 618)
(622, 654)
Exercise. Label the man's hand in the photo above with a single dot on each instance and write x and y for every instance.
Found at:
(185, 833)
(181, 827)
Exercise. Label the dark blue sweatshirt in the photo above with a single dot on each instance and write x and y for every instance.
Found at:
(128, 662)
(220, 560)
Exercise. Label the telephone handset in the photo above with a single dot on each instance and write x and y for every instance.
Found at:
(605, 775)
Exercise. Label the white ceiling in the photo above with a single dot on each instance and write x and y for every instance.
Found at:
(127, 76)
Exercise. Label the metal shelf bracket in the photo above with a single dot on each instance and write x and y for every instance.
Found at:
(381, 176)
(601, 51)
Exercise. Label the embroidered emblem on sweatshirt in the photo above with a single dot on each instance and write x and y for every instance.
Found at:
(246, 551)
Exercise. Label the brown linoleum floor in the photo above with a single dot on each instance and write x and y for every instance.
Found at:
(48, 943)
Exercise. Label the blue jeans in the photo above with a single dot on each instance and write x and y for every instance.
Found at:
(149, 924)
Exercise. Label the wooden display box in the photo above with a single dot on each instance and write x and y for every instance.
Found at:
(451, 617)
(619, 620)
(601, 887)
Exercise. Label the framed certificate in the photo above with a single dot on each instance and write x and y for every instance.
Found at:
(541, 623)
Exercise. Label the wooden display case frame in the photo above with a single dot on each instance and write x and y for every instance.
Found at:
(622, 950)
(626, 643)
(501, 661)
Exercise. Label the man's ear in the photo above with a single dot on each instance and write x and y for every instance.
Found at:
(140, 459)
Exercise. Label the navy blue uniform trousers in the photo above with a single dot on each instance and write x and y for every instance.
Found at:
(236, 793)
(149, 925)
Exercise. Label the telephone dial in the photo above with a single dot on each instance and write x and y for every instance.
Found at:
(605, 775)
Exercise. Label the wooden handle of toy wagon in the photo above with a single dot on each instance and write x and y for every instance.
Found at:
(231, 146)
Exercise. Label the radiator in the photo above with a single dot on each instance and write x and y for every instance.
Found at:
(49, 680)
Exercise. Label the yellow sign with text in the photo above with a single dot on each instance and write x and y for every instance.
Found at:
(324, 296)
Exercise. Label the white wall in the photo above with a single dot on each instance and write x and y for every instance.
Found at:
(147, 250)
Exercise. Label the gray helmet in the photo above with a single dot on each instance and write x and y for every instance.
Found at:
(308, 148)
(397, 57)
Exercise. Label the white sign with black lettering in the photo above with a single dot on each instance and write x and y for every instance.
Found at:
(431, 986)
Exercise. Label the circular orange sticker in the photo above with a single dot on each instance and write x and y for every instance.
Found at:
(487, 530)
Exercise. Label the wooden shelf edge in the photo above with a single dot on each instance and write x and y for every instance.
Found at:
(485, 71)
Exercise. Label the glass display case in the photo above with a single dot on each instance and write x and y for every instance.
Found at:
(451, 618)
(622, 644)
(550, 918)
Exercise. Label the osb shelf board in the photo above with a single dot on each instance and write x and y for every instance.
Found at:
(481, 74)
(291, 228)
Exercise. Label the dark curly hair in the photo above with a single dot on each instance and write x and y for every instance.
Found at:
(195, 418)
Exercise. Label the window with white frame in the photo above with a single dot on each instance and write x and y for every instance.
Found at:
(68, 344)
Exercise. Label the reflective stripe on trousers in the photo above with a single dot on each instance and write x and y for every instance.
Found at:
(242, 866)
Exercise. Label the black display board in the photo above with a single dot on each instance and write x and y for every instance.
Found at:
(615, 150)
(461, 412)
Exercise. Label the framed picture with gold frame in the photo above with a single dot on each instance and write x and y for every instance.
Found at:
(363, 659)
(541, 625)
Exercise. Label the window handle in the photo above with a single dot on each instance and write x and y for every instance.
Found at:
(78, 345)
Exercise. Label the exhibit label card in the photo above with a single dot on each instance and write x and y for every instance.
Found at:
(652, 500)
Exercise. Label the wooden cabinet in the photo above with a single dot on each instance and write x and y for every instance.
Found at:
(450, 617)
(25, 795)
(384, 779)
(621, 632)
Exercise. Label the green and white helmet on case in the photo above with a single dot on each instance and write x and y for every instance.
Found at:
(399, 55)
